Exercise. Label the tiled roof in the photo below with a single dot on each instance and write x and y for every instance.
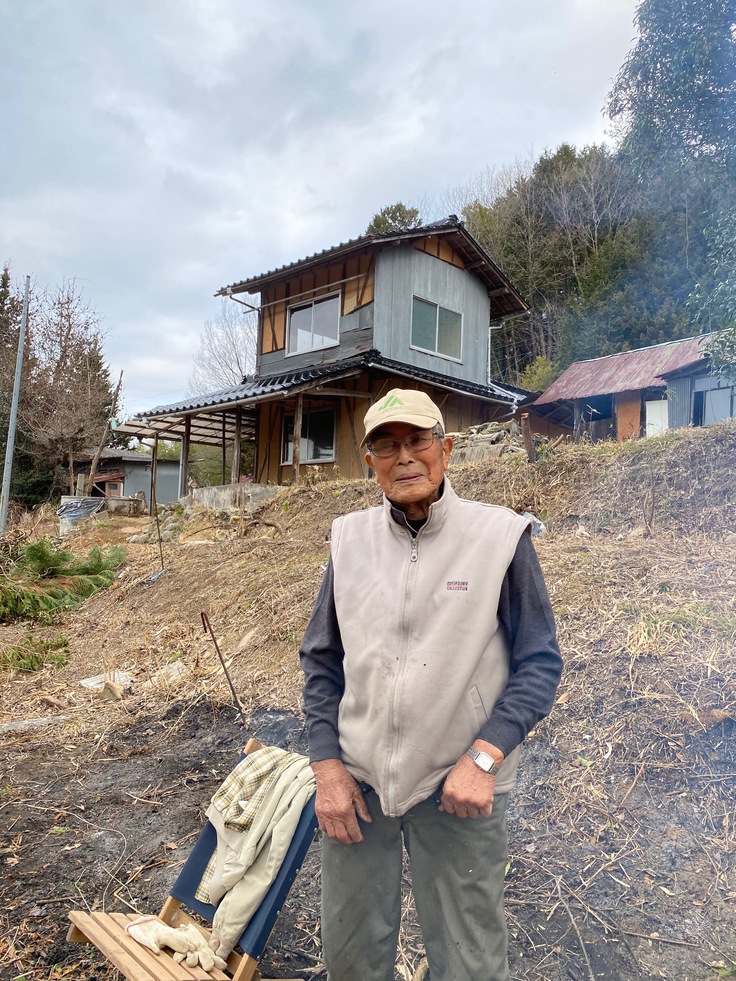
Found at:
(351, 245)
(260, 388)
(257, 389)
(506, 301)
(207, 416)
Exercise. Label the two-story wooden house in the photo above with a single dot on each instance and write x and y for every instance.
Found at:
(406, 309)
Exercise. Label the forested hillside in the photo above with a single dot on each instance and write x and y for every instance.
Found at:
(623, 245)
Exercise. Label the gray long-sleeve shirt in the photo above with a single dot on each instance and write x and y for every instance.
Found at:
(535, 663)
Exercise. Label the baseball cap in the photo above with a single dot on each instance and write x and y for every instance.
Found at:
(403, 405)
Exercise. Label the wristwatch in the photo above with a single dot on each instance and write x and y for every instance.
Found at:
(483, 760)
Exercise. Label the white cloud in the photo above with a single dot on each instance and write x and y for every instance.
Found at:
(159, 151)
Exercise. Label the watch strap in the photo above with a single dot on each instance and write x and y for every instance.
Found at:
(483, 760)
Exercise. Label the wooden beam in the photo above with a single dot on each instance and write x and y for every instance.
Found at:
(154, 464)
(235, 469)
(297, 440)
(224, 447)
(184, 460)
(528, 438)
(343, 393)
(275, 414)
(366, 279)
(356, 442)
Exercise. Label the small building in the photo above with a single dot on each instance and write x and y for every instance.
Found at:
(406, 309)
(127, 473)
(638, 393)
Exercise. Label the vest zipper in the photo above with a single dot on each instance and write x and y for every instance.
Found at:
(403, 647)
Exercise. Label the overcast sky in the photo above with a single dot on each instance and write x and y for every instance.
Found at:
(155, 150)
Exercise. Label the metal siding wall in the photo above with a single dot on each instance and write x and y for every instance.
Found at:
(138, 478)
(404, 272)
(167, 483)
(679, 402)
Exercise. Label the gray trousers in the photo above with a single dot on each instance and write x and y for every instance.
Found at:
(457, 870)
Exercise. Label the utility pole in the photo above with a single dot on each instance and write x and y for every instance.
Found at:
(5, 492)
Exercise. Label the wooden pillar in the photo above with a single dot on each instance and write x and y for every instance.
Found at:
(528, 438)
(578, 423)
(184, 458)
(356, 443)
(154, 464)
(297, 442)
(235, 470)
(224, 446)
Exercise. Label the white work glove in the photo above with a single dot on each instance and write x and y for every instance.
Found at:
(152, 933)
(200, 954)
(220, 946)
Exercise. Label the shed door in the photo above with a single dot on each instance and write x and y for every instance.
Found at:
(656, 417)
(717, 406)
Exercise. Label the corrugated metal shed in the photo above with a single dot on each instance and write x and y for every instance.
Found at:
(625, 372)
(506, 301)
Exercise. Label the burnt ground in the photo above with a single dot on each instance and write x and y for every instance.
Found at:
(622, 829)
(109, 825)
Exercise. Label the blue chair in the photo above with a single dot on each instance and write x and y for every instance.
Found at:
(107, 930)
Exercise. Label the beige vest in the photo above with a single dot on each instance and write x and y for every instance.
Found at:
(425, 655)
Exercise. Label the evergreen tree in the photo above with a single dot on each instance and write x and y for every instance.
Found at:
(66, 395)
(676, 91)
(73, 397)
(714, 305)
(393, 218)
(552, 220)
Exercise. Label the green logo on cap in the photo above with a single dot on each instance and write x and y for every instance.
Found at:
(391, 403)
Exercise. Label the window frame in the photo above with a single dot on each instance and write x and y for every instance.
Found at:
(435, 352)
(286, 459)
(302, 305)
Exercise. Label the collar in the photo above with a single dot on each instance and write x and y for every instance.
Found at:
(437, 511)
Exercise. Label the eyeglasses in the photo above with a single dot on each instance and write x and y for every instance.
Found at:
(414, 442)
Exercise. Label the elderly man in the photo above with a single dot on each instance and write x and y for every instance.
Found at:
(430, 654)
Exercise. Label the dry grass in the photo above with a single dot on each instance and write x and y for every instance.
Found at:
(623, 822)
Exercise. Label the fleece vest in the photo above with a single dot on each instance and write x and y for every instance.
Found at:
(425, 654)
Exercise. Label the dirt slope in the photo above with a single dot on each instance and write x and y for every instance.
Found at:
(622, 831)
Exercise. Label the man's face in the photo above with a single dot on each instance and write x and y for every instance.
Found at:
(410, 478)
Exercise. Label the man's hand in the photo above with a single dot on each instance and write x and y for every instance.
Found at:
(339, 801)
(468, 790)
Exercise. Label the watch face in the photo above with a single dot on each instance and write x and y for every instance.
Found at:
(483, 760)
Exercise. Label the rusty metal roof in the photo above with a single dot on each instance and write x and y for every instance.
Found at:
(505, 300)
(625, 372)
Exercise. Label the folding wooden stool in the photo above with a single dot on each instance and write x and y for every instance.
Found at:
(136, 963)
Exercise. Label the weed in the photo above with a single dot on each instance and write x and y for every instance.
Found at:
(34, 653)
(45, 579)
(725, 971)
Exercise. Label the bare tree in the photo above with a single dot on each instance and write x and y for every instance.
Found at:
(227, 348)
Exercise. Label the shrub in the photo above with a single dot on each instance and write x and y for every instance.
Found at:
(34, 653)
(46, 579)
